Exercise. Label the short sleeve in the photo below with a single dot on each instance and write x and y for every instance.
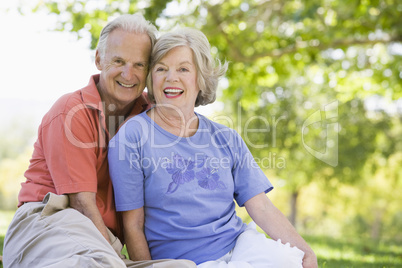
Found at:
(124, 158)
(249, 179)
(69, 146)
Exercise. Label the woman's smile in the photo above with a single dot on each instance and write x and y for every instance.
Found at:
(173, 92)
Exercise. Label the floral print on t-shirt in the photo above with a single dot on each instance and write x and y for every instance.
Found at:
(185, 170)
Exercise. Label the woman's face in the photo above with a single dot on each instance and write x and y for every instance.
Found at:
(174, 79)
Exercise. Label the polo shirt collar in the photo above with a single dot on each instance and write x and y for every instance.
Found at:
(90, 94)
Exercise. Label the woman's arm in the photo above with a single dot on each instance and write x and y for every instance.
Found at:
(276, 225)
(137, 246)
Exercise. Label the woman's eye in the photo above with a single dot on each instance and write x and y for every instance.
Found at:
(183, 70)
(160, 69)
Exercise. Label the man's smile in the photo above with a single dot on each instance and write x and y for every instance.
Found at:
(125, 85)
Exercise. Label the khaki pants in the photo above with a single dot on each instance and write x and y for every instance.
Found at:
(50, 234)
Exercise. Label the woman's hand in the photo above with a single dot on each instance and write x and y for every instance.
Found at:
(137, 246)
(310, 260)
(277, 226)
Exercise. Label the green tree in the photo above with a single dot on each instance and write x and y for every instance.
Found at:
(289, 59)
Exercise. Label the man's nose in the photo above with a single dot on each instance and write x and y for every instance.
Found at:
(127, 73)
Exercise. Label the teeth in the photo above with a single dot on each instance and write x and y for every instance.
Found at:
(125, 85)
(173, 90)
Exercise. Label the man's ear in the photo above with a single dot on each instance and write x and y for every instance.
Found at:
(98, 60)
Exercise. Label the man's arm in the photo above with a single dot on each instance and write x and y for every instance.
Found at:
(276, 225)
(85, 202)
(137, 246)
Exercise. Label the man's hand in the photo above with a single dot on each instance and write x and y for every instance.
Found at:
(85, 202)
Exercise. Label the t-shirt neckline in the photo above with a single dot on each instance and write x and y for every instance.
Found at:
(196, 135)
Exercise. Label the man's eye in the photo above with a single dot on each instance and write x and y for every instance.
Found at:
(141, 65)
(118, 61)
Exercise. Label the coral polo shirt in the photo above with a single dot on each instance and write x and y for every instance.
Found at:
(70, 155)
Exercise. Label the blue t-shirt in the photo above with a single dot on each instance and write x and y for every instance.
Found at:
(186, 185)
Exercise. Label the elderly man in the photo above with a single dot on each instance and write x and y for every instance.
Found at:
(66, 215)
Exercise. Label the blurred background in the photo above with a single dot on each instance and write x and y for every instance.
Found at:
(314, 88)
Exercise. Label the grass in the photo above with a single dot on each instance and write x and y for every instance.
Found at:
(5, 219)
(353, 252)
(347, 252)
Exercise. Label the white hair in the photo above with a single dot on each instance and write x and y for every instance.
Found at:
(134, 23)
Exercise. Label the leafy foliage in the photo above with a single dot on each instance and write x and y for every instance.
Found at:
(288, 60)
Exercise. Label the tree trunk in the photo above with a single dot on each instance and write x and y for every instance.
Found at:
(377, 224)
(293, 208)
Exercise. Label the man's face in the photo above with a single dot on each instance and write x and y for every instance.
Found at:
(123, 66)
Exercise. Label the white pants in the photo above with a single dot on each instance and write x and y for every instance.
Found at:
(254, 250)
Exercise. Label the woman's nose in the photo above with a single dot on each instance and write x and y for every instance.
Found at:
(171, 77)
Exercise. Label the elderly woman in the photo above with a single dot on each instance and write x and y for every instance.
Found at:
(176, 174)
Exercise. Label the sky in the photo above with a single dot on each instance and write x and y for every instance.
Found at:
(37, 65)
